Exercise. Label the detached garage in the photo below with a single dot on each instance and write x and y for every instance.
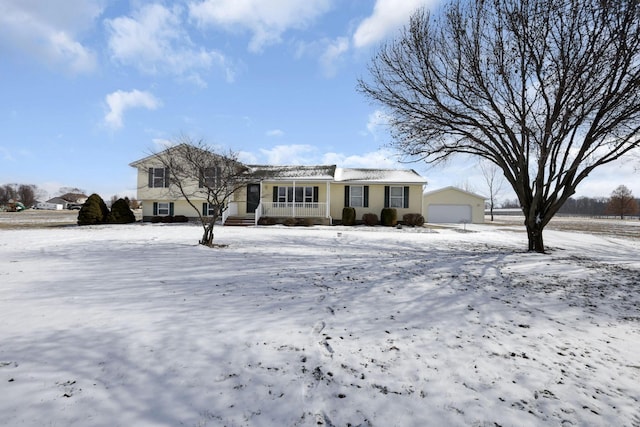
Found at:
(452, 205)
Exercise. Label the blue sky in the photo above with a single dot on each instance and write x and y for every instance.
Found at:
(88, 86)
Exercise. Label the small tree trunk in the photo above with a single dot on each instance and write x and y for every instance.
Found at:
(207, 236)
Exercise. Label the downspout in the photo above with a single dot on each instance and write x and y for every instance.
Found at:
(327, 214)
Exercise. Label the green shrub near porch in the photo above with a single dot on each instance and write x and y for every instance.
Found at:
(348, 216)
(389, 217)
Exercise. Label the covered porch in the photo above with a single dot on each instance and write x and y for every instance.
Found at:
(294, 199)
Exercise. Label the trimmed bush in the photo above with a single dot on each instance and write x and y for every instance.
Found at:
(389, 217)
(289, 222)
(121, 213)
(93, 211)
(180, 218)
(349, 216)
(413, 219)
(370, 219)
(267, 220)
(304, 222)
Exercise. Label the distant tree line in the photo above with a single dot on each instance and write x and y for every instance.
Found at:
(27, 194)
(621, 203)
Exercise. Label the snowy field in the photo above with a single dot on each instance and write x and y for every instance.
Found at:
(137, 325)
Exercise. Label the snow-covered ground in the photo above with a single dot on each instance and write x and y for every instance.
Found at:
(137, 325)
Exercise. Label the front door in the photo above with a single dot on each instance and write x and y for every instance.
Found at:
(253, 197)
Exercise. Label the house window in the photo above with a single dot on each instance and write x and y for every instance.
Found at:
(282, 195)
(210, 177)
(209, 209)
(308, 195)
(356, 196)
(163, 209)
(158, 177)
(297, 194)
(396, 197)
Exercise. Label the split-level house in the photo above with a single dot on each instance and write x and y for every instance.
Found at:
(280, 192)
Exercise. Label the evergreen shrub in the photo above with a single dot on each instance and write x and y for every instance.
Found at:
(389, 217)
(121, 213)
(93, 211)
(348, 216)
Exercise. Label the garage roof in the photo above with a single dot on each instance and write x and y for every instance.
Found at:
(450, 188)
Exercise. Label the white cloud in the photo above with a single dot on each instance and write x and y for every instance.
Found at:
(296, 154)
(266, 20)
(333, 54)
(153, 40)
(374, 159)
(162, 143)
(388, 16)
(275, 133)
(120, 101)
(377, 120)
(604, 179)
(248, 158)
(304, 154)
(50, 31)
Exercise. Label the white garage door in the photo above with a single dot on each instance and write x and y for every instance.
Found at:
(448, 213)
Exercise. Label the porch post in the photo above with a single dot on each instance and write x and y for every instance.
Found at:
(328, 203)
(294, 200)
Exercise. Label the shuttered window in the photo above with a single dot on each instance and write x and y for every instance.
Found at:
(356, 196)
(163, 208)
(210, 177)
(158, 177)
(396, 196)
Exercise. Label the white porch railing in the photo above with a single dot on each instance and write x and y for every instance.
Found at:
(232, 209)
(297, 209)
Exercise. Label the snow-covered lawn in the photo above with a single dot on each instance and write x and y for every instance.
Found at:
(137, 325)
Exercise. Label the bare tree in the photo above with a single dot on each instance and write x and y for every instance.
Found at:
(27, 194)
(24, 193)
(200, 174)
(70, 190)
(494, 181)
(622, 202)
(8, 192)
(546, 90)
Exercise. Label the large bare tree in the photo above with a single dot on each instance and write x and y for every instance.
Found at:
(201, 174)
(547, 90)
